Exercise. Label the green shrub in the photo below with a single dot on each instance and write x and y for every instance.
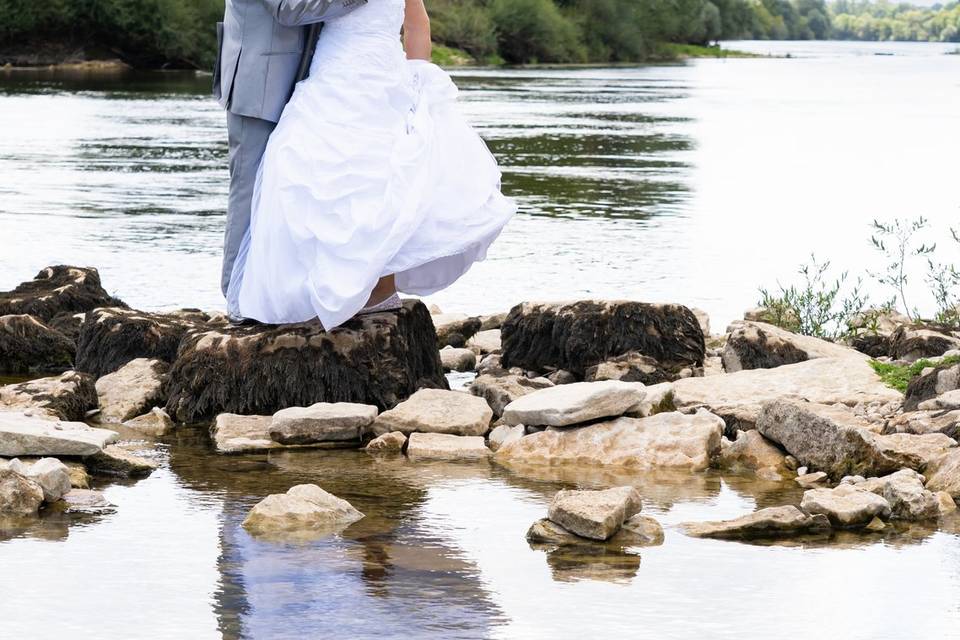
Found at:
(899, 376)
(535, 31)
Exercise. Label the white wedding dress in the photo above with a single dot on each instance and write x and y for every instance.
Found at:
(371, 171)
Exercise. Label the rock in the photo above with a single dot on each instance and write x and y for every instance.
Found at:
(321, 422)
(872, 330)
(485, 342)
(392, 442)
(86, 501)
(577, 335)
(629, 367)
(703, 319)
(812, 480)
(754, 452)
(305, 507)
(116, 461)
(738, 397)
(68, 324)
(904, 492)
(640, 531)
(234, 433)
(876, 525)
(68, 396)
(378, 359)
(131, 390)
(490, 364)
(23, 435)
(454, 359)
(499, 390)
(437, 411)
(154, 423)
(594, 514)
(492, 321)
(573, 403)
(79, 478)
(111, 337)
(834, 440)
(505, 434)
(911, 343)
(845, 505)
(51, 475)
(943, 473)
(664, 440)
(55, 291)
(772, 522)
(942, 379)
(757, 345)
(945, 503)
(561, 376)
(19, 496)
(922, 422)
(444, 446)
(29, 346)
(545, 531)
(454, 329)
(657, 398)
(948, 401)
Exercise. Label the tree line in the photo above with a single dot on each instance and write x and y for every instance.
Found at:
(179, 33)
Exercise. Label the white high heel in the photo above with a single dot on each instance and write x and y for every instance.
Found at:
(389, 304)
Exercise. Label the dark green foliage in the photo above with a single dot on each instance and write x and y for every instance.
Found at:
(535, 31)
(899, 376)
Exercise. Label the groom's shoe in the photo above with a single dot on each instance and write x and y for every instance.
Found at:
(239, 321)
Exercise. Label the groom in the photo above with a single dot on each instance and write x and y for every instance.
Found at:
(264, 49)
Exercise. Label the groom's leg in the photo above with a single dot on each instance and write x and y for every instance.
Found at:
(248, 138)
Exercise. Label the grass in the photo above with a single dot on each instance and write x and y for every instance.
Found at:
(673, 51)
(899, 376)
(450, 57)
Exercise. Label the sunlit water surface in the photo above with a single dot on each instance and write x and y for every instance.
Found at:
(693, 182)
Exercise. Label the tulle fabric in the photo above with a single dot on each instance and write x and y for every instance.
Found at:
(371, 171)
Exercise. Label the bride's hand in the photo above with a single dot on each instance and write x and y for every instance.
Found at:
(416, 31)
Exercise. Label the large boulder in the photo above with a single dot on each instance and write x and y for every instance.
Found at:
(738, 397)
(68, 396)
(905, 492)
(29, 346)
(942, 379)
(913, 342)
(596, 515)
(845, 505)
(570, 404)
(131, 390)
(834, 440)
(577, 335)
(757, 345)
(305, 508)
(378, 359)
(23, 435)
(56, 291)
(445, 446)
(500, 389)
(769, 523)
(437, 411)
(111, 337)
(321, 422)
(19, 496)
(663, 440)
(51, 475)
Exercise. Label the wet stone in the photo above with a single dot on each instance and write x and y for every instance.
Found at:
(771, 522)
(594, 514)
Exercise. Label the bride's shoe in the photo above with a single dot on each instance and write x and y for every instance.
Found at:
(392, 303)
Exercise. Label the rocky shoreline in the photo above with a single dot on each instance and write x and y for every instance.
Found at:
(618, 385)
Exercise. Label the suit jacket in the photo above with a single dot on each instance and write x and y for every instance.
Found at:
(264, 48)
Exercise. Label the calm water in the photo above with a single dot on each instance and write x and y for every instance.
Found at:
(693, 182)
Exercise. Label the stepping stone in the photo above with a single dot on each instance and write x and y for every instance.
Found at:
(443, 446)
(594, 514)
(570, 404)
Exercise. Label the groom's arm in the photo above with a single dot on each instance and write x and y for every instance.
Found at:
(294, 13)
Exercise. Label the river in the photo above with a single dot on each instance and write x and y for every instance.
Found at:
(694, 182)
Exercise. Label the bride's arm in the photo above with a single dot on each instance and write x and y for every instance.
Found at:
(416, 31)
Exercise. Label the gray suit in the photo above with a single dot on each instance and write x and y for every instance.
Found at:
(265, 48)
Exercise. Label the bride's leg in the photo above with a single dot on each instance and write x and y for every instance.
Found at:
(386, 287)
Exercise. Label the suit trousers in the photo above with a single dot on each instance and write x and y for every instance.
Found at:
(247, 141)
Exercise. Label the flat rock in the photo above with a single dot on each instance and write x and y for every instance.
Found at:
(905, 492)
(664, 440)
(131, 390)
(577, 335)
(378, 359)
(758, 345)
(812, 480)
(55, 291)
(86, 501)
(948, 401)
(454, 359)
(574, 403)
(834, 440)
(68, 396)
(454, 329)
(913, 342)
(738, 397)
(596, 515)
(942, 379)
(753, 452)
(154, 423)
(22, 435)
(388, 443)
(27, 345)
(845, 505)
(444, 446)
(51, 475)
(768, 523)
(505, 434)
(116, 461)
(484, 342)
(303, 508)
(321, 422)
(234, 433)
(19, 496)
(501, 389)
(437, 411)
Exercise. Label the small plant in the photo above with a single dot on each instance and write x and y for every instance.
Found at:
(817, 308)
(944, 281)
(899, 376)
(896, 242)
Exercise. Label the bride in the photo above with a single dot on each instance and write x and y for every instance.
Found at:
(371, 184)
